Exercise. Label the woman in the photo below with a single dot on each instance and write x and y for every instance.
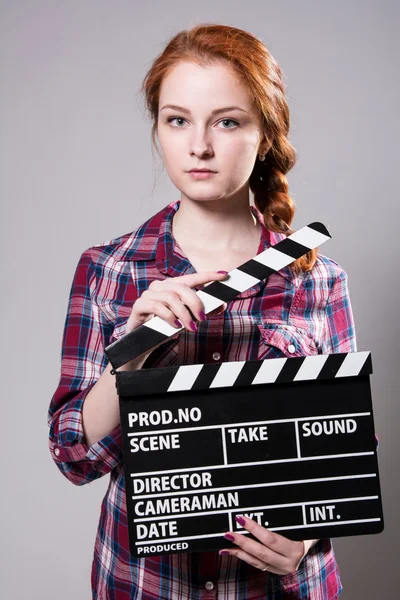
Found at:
(232, 120)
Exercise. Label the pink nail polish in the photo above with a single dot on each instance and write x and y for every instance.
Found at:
(202, 315)
(240, 520)
(193, 326)
(229, 537)
(223, 552)
(224, 272)
(178, 323)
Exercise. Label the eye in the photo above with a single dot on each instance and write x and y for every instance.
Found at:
(236, 124)
(229, 120)
(175, 118)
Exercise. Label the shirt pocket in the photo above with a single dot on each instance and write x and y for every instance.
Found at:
(279, 341)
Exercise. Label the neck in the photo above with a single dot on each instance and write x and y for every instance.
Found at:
(219, 225)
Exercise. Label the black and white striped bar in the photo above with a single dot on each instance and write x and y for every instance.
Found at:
(288, 442)
(257, 269)
(244, 373)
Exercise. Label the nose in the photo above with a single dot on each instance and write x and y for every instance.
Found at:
(200, 145)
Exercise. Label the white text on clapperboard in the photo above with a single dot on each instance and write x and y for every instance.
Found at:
(201, 480)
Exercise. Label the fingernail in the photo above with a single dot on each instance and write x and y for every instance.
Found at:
(240, 520)
(178, 323)
(223, 552)
(224, 272)
(229, 537)
(193, 326)
(202, 315)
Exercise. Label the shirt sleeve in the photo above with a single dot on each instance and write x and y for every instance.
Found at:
(340, 335)
(86, 334)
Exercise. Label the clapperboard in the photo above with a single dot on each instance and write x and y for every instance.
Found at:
(289, 442)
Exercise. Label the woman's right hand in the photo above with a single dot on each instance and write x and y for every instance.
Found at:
(167, 298)
(170, 299)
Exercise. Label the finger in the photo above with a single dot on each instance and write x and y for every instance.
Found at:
(195, 279)
(272, 540)
(260, 552)
(184, 285)
(214, 312)
(147, 307)
(187, 296)
(170, 300)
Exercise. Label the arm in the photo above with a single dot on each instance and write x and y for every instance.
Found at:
(340, 335)
(83, 365)
(339, 332)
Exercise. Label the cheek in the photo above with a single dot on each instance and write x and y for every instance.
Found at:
(174, 168)
(239, 159)
(240, 149)
(173, 151)
(172, 157)
(167, 144)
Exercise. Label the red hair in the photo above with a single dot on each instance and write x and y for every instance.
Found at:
(255, 67)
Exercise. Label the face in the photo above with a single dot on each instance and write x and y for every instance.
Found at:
(196, 136)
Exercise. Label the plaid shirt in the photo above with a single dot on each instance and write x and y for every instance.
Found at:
(287, 315)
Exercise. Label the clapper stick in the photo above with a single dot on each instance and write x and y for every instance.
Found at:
(242, 278)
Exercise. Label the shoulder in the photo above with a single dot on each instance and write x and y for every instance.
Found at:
(325, 273)
(327, 267)
(139, 244)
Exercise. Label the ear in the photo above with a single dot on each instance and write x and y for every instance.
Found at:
(265, 145)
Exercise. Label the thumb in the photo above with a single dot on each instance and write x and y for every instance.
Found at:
(218, 310)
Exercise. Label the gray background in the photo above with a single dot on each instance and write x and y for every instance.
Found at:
(77, 169)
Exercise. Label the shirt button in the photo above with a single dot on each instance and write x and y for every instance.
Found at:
(57, 451)
(209, 585)
(291, 348)
(216, 356)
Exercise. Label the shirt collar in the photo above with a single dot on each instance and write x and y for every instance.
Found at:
(154, 241)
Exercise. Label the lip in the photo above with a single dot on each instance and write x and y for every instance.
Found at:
(201, 174)
(201, 171)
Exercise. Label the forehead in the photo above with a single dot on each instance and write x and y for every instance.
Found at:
(193, 86)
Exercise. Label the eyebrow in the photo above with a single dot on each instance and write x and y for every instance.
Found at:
(214, 112)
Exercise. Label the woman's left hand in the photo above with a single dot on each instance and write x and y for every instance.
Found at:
(279, 554)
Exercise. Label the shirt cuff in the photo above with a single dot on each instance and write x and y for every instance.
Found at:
(68, 445)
